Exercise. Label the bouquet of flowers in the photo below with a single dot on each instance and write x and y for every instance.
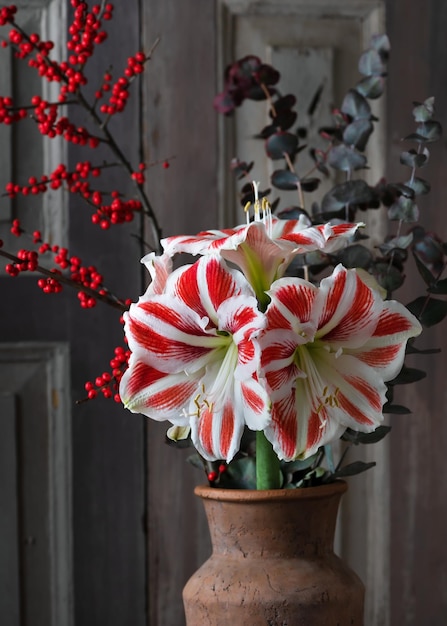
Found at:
(282, 337)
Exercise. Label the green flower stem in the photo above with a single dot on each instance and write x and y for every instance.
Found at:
(268, 474)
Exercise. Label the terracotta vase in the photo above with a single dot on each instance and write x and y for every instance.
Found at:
(273, 561)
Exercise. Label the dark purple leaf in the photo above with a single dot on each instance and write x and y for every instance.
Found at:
(281, 143)
(310, 184)
(284, 119)
(266, 74)
(284, 179)
(240, 168)
(224, 103)
(284, 103)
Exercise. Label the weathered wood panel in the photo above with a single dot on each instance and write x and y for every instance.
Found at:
(108, 443)
(418, 469)
(178, 121)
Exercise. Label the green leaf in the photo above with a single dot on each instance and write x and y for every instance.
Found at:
(404, 209)
(299, 466)
(356, 437)
(381, 43)
(388, 277)
(427, 132)
(424, 112)
(240, 474)
(355, 256)
(414, 159)
(419, 186)
(371, 87)
(353, 468)
(356, 106)
(429, 312)
(397, 243)
(312, 478)
(371, 64)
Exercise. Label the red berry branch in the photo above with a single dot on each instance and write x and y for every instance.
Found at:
(54, 265)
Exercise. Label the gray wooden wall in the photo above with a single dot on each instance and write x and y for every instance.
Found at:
(418, 69)
(138, 531)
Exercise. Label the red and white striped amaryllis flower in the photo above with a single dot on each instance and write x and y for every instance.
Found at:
(326, 354)
(264, 248)
(195, 356)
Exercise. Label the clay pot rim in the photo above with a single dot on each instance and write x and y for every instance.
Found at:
(252, 495)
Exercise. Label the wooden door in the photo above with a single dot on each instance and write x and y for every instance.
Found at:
(72, 489)
(392, 522)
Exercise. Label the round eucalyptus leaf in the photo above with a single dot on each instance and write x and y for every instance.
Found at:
(423, 112)
(411, 158)
(285, 179)
(356, 256)
(419, 186)
(371, 64)
(267, 131)
(388, 276)
(344, 158)
(285, 119)
(429, 312)
(284, 103)
(404, 209)
(357, 133)
(403, 190)
(310, 184)
(352, 192)
(281, 143)
(430, 130)
(396, 243)
(371, 87)
(381, 43)
(356, 106)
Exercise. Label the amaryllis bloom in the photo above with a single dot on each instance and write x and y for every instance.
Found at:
(264, 248)
(159, 267)
(326, 354)
(195, 357)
